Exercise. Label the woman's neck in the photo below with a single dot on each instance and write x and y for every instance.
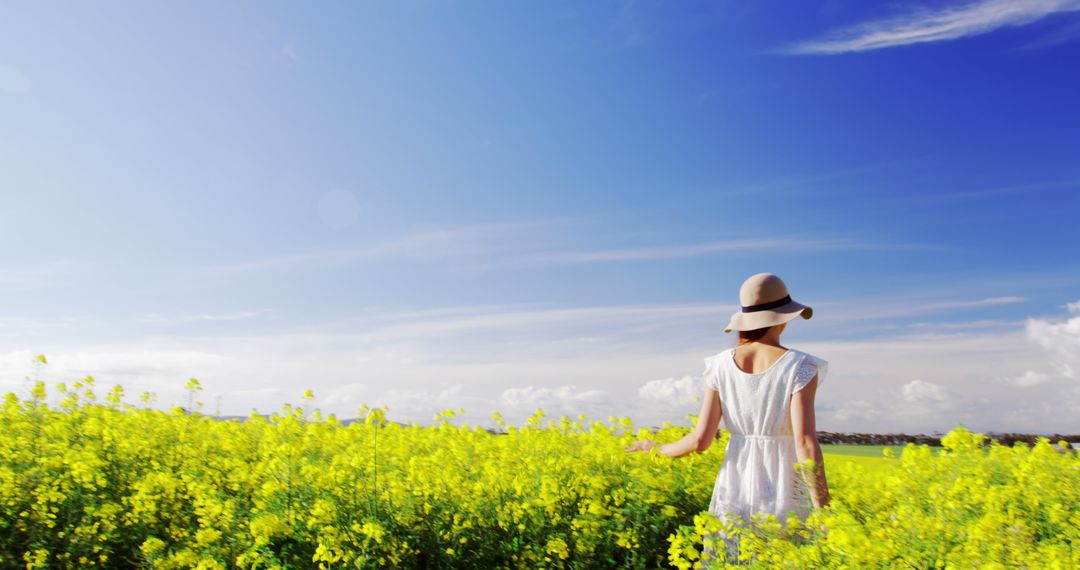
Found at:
(774, 342)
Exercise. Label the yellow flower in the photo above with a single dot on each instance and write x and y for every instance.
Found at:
(193, 492)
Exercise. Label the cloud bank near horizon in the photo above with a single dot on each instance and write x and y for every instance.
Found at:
(1016, 377)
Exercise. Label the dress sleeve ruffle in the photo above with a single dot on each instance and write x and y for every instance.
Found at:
(711, 375)
(808, 368)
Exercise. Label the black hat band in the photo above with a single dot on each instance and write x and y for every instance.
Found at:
(767, 306)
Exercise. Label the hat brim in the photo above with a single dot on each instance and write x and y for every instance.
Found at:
(741, 321)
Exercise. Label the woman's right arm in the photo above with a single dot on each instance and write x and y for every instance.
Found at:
(806, 443)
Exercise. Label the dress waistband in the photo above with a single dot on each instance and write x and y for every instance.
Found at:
(757, 436)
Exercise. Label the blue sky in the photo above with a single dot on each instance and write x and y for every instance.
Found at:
(513, 205)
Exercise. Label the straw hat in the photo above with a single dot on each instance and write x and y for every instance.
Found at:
(765, 302)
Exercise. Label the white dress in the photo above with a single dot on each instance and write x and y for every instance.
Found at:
(758, 472)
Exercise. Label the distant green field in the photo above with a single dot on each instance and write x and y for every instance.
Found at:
(862, 450)
(866, 457)
(867, 464)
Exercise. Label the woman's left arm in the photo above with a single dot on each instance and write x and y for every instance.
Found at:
(697, 440)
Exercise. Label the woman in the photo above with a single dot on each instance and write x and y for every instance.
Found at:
(765, 392)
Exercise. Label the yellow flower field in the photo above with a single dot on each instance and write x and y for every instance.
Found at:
(110, 484)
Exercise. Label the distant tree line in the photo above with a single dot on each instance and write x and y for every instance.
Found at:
(830, 437)
(1007, 439)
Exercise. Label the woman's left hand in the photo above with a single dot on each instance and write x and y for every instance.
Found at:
(643, 445)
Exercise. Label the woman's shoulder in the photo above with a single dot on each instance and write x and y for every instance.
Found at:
(806, 360)
(714, 364)
(803, 354)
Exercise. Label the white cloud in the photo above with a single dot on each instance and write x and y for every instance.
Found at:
(264, 400)
(1029, 378)
(672, 391)
(421, 405)
(962, 377)
(667, 399)
(256, 392)
(346, 395)
(16, 366)
(852, 413)
(12, 80)
(1060, 340)
(516, 404)
(561, 398)
(924, 25)
(921, 392)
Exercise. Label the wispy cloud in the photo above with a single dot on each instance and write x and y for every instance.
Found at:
(893, 308)
(818, 181)
(624, 317)
(1070, 184)
(1064, 34)
(535, 242)
(39, 275)
(424, 243)
(977, 325)
(157, 319)
(923, 25)
(774, 244)
(639, 327)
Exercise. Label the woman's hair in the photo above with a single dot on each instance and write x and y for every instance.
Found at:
(748, 336)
